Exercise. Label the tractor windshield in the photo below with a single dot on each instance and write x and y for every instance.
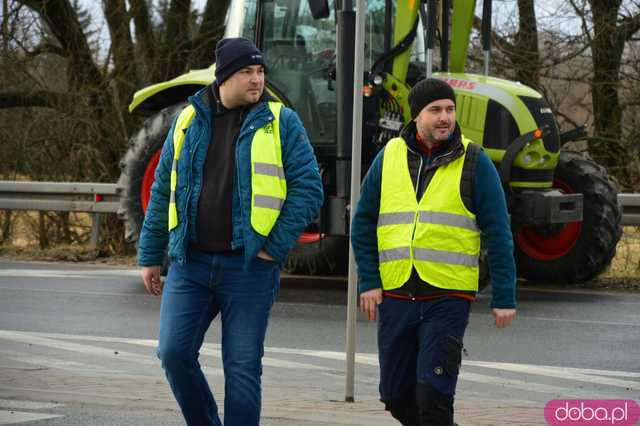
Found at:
(300, 54)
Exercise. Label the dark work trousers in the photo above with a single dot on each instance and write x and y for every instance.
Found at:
(420, 349)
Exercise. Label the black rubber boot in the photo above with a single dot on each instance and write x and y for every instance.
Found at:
(405, 411)
(434, 408)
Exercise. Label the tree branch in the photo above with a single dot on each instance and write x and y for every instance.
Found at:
(145, 38)
(39, 98)
(500, 42)
(46, 48)
(566, 118)
(124, 71)
(581, 14)
(550, 63)
(63, 23)
(176, 46)
(629, 26)
(210, 31)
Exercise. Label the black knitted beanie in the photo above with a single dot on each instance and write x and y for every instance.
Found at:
(427, 91)
(233, 54)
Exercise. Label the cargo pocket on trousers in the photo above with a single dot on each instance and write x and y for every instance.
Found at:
(453, 355)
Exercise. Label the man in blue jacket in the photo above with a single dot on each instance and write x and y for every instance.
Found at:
(236, 184)
(426, 200)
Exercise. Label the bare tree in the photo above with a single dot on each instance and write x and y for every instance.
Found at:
(146, 41)
(519, 53)
(176, 46)
(608, 26)
(64, 98)
(211, 30)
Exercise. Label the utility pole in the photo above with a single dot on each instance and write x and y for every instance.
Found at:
(356, 150)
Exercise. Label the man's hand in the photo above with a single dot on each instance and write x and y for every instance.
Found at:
(262, 254)
(151, 279)
(369, 300)
(504, 317)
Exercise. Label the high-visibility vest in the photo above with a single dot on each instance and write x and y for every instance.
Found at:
(268, 183)
(437, 235)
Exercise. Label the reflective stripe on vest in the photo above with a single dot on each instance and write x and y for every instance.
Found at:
(438, 235)
(182, 124)
(268, 184)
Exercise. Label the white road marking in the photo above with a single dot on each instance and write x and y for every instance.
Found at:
(522, 318)
(58, 273)
(575, 374)
(593, 376)
(525, 385)
(579, 321)
(558, 370)
(29, 338)
(60, 364)
(15, 417)
(574, 291)
(11, 404)
(127, 397)
(268, 361)
(96, 293)
(48, 339)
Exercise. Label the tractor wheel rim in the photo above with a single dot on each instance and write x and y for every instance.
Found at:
(553, 246)
(147, 181)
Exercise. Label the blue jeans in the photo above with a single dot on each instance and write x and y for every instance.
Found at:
(193, 295)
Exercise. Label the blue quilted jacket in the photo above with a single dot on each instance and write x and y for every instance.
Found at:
(302, 205)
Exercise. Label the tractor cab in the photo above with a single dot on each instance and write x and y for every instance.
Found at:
(301, 54)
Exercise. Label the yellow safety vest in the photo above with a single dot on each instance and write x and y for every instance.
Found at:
(437, 235)
(268, 184)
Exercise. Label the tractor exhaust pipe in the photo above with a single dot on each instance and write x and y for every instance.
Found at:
(345, 45)
(431, 35)
(444, 31)
(486, 34)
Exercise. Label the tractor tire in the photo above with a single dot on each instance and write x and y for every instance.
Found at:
(580, 251)
(138, 168)
(321, 256)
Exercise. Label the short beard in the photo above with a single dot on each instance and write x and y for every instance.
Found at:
(435, 138)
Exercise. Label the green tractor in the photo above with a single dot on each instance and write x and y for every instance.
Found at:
(564, 211)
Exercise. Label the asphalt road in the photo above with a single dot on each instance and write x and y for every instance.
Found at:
(77, 345)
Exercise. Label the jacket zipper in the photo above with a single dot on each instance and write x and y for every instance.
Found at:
(413, 233)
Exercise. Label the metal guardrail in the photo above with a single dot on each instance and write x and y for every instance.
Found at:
(60, 196)
(95, 198)
(98, 198)
(630, 209)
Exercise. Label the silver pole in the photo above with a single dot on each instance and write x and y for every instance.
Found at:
(96, 218)
(352, 294)
(429, 63)
(487, 56)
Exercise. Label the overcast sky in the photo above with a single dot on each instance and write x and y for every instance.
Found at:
(551, 14)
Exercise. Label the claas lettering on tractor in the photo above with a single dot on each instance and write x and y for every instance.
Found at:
(563, 206)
